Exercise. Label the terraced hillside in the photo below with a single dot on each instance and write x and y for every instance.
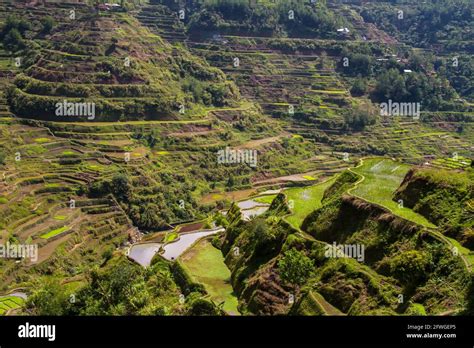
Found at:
(117, 65)
(304, 90)
(304, 84)
(42, 200)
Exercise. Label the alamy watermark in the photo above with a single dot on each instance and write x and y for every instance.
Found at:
(355, 251)
(75, 109)
(19, 251)
(392, 108)
(37, 331)
(232, 156)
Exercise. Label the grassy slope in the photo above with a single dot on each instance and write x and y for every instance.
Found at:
(314, 304)
(380, 178)
(305, 200)
(206, 265)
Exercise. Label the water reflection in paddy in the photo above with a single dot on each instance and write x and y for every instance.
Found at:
(143, 253)
(173, 250)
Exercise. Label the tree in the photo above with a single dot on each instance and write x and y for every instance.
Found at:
(221, 220)
(50, 299)
(409, 266)
(357, 64)
(13, 22)
(121, 187)
(359, 117)
(230, 182)
(107, 254)
(13, 40)
(201, 307)
(260, 231)
(13, 31)
(151, 217)
(218, 93)
(359, 87)
(48, 23)
(117, 288)
(295, 267)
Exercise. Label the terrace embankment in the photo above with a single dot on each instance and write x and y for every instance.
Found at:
(445, 198)
(394, 247)
(400, 267)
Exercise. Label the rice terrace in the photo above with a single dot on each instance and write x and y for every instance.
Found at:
(237, 158)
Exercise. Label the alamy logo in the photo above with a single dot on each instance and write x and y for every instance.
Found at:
(400, 109)
(355, 251)
(231, 156)
(37, 331)
(75, 109)
(22, 251)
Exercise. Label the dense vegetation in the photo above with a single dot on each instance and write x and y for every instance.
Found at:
(444, 198)
(120, 288)
(280, 18)
(438, 26)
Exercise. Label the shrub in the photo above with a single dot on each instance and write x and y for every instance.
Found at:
(2, 157)
(359, 117)
(48, 23)
(409, 266)
(359, 87)
(295, 267)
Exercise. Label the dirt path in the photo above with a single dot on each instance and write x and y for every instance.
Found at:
(252, 144)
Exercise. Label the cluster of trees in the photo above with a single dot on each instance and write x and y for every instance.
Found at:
(424, 23)
(439, 24)
(459, 70)
(294, 18)
(150, 206)
(310, 20)
(359, 87)
(356, 64)
(415, 87)
(391, 81)
(12, 33)
(217, 94)
(121, 287)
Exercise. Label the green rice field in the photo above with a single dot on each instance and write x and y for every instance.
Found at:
(206, 265)
(10, 302)
(380, 177)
